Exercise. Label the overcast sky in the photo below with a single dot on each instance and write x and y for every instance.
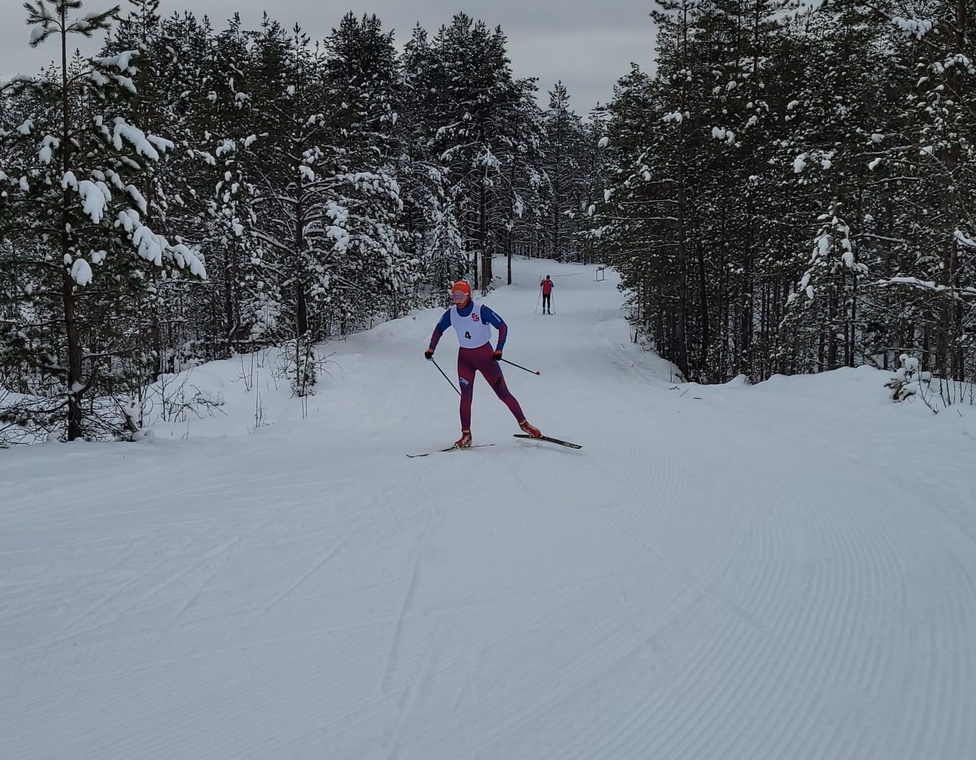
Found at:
(588, 46)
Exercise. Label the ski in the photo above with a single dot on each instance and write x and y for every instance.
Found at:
(567, 444)
(451, 448)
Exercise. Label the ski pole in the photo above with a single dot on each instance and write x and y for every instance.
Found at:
(533, 371)
(450, 382)
(537, 301)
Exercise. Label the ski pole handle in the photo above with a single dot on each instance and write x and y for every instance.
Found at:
(533, 371)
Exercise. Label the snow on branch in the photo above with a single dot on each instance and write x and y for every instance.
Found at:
(964, 238)
(727, 135)
(49, 144)
(337, 230)
(910, 27)
(126, 83)
(957, 60)
(81, 272)
(156, 249)
(120, 61)
(917, 284)
(834, 237)
(824, 157)
(94, 195)
(136, 137)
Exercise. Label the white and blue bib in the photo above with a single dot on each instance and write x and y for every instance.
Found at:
(472, 332)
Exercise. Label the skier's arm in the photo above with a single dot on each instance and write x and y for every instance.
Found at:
(491, 318)
(442, 325)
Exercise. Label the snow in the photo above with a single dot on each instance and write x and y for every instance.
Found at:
(121, 61)
(155, 248)
(48, 144)
(720, 133)
(964, 238)
(910, 27)
(136, 138)
(94, 197)
(733, 572)
(126, 83)
(38, 33)
(81, 272)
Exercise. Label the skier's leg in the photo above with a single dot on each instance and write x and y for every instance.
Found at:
(492, 372)
(466, 370)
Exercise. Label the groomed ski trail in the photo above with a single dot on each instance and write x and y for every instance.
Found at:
(724, 573)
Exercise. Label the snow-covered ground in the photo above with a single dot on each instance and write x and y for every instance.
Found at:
(785, 571)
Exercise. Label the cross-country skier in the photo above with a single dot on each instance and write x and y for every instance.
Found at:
(473, 322)
(547, 286)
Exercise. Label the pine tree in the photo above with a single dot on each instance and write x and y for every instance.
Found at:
(293, 219)
(472, 101)
(72, 169)
(163, 77)
(565, 144)
(938, 152)
(523, 186)
(245, 288)
(431, 226)
(369, 270)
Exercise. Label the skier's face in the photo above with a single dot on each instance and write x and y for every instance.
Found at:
(459, 297)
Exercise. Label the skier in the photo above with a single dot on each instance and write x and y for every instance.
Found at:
(547, 286)
(473, 323)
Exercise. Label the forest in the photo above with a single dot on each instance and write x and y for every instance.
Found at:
(791, 190)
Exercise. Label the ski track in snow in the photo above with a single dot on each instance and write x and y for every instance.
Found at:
(721, 573)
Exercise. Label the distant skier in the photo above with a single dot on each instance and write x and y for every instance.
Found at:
(473, 323)
(547, 286)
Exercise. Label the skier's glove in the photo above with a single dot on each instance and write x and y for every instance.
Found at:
(429, 354)
(497, 356)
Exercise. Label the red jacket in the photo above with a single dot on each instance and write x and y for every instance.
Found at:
(546, 286)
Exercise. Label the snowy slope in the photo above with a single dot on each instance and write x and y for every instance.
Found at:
(784, 571)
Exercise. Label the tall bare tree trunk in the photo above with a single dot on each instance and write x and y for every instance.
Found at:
(301, 304)
(706, 336)
(73, 381)
(483, 232)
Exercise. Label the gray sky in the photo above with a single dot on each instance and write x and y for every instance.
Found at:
(589, 46)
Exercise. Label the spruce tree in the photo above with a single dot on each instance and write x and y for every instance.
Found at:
(73, 171)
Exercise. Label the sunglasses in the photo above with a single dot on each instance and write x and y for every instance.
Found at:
(458, 296)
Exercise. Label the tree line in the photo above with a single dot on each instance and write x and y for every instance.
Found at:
(190, 193)
(794, 189)
(790, 190)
